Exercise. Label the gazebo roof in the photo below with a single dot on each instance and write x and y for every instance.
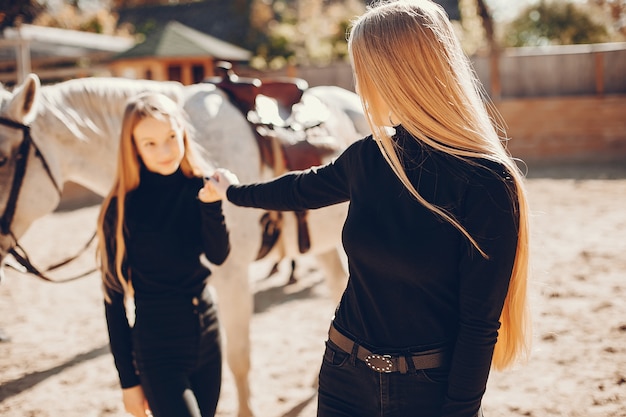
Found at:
(177, 40)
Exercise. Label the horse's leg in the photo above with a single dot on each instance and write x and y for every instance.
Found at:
(281, 253)
(336, 278)
(273, 270)
(334, 272)
(292, 273)
(4, 336)
(235, 306)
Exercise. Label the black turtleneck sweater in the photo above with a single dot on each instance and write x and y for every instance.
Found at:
(414, 280)
(168, 229)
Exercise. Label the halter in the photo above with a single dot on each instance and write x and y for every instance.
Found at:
(6, 220)
(20, 169)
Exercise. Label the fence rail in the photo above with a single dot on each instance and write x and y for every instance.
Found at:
(552, 71)
(560, 103)
(564, 70)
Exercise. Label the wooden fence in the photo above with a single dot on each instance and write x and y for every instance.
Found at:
(565, 70)
(560, 103)
(550, 71)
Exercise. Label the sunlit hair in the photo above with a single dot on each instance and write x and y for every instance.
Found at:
(127, 178)
(409, 66)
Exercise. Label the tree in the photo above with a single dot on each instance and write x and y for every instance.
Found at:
(14, 12)
(75, 15)
(555, 23)
(302, 32)
(123, 4)
(615, 11)
(477, 29)
(488, 24)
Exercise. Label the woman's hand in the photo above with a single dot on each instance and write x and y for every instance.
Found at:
(135, 402)
(208, 193)
(220, 181)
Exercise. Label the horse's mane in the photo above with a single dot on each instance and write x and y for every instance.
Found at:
(93, 107)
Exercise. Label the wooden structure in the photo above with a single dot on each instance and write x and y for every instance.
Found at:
(176, 52)
(55, 54)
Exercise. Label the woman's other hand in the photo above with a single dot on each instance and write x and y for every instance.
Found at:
(135, 402)
(221, 180)
(208, 193)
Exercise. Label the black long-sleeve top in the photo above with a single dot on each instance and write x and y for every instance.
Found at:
(414, 280)
(168, 229)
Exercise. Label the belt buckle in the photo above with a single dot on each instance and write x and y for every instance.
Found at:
(379, 363)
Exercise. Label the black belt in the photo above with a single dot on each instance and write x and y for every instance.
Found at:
(428, 359)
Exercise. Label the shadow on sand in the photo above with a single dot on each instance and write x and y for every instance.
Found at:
(28, 381)
(297, 409)
(266, 298)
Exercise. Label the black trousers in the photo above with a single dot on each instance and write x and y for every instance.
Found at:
(176, 343)
(349, 388)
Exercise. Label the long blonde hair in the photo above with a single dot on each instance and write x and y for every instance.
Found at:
(127, 178)
(407, 59)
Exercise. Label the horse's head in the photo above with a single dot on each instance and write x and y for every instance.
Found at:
(25, 184)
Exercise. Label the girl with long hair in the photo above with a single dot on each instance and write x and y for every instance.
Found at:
(437, 229)
(154, 226)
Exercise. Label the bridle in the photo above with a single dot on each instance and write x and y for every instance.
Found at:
(20, 170)
(6, 221)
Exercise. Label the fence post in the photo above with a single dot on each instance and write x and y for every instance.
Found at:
(494, 69)
(599, 72)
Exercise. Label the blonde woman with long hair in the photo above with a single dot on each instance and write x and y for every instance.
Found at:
(436, 234)
(154, 225)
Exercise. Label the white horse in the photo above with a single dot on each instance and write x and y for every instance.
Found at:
(75, 125)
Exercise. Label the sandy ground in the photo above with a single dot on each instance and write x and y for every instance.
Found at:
(58, 363)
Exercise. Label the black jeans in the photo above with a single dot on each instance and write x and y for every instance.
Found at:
(176, 343)
(349, 388)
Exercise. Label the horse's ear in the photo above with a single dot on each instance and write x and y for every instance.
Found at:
(25, 100)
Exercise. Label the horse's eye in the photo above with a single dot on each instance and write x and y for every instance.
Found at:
(3, 160)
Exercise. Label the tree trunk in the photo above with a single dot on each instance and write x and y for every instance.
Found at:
(494, 48)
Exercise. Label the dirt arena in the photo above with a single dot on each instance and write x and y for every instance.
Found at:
(58, 364)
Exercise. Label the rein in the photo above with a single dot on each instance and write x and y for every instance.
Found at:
(6, 220)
